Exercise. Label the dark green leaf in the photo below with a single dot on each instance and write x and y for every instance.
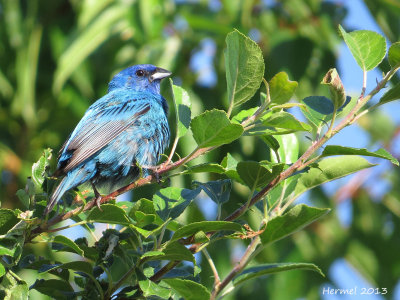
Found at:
(340, 150)
(271, 142)
(213, 128)
(391, 95)
(256, 175)
(80, 266)
(205, 168)
(172, 251)
(57, 289)
(281, 89)
(394, 54)
(188, 290)
(8, 219)
(292, 221)
(170, 202)
(261, 270)
(336, 87)
(204, 226)
(182, 109)
(367, 47)
(60, 239)
(110, 214)
(151, 288)
(218, 191)
(244, 65)
(319, 110)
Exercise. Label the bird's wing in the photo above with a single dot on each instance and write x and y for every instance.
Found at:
(99, 126)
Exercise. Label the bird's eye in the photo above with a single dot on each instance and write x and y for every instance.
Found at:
(140, 73)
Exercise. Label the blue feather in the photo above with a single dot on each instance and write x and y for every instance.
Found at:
(124, 129)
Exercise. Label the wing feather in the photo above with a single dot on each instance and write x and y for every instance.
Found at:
(94, 132)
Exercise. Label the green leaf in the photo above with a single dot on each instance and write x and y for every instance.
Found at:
(151, 288)
(205, 168)
(329, 169)
(54, 288)
(143, 219)
(243, 115)
(2, 270)
(394, 55)
(391, 95)
(110, 214)
(13, 287)
(265, 269)
(39, 168)
(80, 266)
(218, 191)
(256, 175)
(170, 202)
(340, 150)
(281, 89)
(292, 221)
(230, 163)
(188, 289)
(60, 239)
(367, 47)
(182, 109)
(336, 87)
(288, 149)
(204, 226)
(146, 207)
(319, 110)
(172, 251)
(8, 219)
(213, 128)
(244, 65)
(286, 120)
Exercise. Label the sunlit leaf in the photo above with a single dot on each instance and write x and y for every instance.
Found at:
(188, 289)
(182, 109)
(367, 47)
(213, 128)
(292, 221)
(281, 88)
(340, 150)
(244, 65)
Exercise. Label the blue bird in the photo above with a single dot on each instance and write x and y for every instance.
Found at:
(121, 131)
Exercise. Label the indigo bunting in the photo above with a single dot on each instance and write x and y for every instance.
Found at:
(121, 131)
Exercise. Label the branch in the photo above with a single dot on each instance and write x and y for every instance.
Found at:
(245, 259)
(302, 162)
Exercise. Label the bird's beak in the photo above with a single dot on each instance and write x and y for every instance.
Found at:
(159, 74)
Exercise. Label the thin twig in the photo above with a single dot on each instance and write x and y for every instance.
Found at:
(237, 269)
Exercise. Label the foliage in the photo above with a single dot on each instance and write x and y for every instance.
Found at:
(149, 251)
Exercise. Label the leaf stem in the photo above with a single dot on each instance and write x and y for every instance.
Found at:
(217, 280)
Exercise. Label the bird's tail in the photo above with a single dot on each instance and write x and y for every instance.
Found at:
(63, 186)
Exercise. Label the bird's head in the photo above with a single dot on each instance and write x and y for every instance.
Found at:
(139, 78)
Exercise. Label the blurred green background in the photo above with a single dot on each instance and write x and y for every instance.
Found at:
(56, 58)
